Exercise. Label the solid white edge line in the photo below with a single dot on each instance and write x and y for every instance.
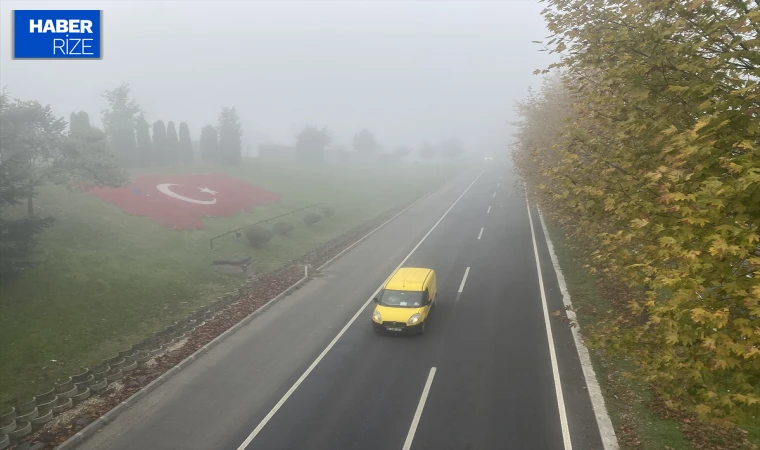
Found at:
(606, 430)
(418, 413)
(489, 210)
(363, 238)
(552, 352)
(480, 235)
(303, 376)
(464, 279)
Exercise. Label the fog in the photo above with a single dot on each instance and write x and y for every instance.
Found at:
(407, 71)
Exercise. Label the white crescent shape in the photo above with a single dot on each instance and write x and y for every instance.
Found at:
(164, 188)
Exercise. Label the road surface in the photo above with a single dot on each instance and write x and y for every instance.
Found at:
(482, 377)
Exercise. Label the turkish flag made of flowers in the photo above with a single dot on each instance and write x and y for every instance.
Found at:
(180, 201)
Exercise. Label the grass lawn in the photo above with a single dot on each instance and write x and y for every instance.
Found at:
(108, 279)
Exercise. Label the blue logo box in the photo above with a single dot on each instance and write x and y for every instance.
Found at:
(57, 34)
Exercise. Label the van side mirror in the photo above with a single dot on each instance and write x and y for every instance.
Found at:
(376, 300)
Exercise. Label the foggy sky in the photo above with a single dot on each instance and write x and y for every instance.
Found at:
(408, 71)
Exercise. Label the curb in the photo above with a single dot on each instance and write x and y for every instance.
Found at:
(111, 415)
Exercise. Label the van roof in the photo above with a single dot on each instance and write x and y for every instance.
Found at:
(408, 279)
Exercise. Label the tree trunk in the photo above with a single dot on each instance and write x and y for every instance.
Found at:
(29, 199)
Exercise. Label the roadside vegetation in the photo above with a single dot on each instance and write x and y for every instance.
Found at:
(82, 279)
(104, 279)
(640, 418)
(642, 147)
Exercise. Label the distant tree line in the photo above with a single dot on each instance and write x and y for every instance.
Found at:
(312, 142)
(37, 150)
(139, 144)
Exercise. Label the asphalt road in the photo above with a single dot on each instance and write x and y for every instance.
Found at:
(483, 367)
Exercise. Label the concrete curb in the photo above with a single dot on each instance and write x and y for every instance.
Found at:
(111, 415)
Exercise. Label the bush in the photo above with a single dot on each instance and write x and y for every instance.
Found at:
(283, 228)
(257, 235)
(311, 218)
(328, 212)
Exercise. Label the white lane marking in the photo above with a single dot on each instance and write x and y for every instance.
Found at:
(418, 413)
(606, 430)
(329, 261)
(497, 184)
(552, 352)
(464, 279)
(300, 380)
(494, 195)
(489, 210)
(481, 233)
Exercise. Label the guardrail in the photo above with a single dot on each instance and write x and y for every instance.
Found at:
(211, 241)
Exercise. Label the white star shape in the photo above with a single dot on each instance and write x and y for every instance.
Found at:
(208, 191)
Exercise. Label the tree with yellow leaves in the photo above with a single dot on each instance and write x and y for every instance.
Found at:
(654, 161)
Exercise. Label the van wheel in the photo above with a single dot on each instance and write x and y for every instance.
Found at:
(422, 328)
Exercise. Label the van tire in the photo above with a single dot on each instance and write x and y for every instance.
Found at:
(422, 328)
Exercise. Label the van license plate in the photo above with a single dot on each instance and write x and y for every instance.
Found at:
(394, 329)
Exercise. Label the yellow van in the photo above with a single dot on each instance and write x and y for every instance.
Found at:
(404, 303)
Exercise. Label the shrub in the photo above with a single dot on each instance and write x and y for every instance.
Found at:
(328, 212)
(283, 228)
(257, 235)
(311, 218)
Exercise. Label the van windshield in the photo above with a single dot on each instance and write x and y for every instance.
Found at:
(403, 299)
